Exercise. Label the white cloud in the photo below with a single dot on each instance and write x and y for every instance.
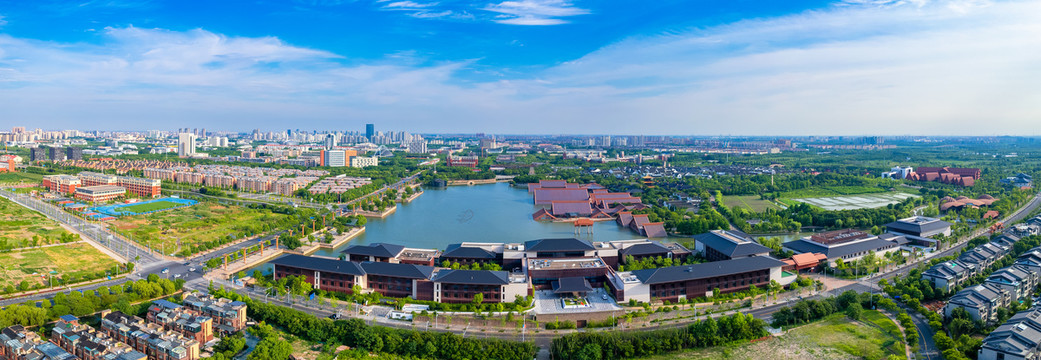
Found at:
(911, 69)
(534, 12)
(2, 21)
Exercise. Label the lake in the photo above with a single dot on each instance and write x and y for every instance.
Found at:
(496, 213)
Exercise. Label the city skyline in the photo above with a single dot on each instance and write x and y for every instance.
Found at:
(526, 67)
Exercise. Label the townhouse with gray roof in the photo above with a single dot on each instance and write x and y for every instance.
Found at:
(979, 301)
(1019, 338)
(947, 275)
(1018, 280)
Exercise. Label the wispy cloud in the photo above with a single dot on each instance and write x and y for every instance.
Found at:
(534, 12)
(2, 21)
(408, 5)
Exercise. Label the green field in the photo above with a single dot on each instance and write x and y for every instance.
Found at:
(19, 226)
(875, 337)
(750, 202)
(71, 262)
(152, 206)
(177, 229)
(827, 191)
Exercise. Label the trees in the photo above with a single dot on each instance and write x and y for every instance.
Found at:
(854, 311)
(625, 345)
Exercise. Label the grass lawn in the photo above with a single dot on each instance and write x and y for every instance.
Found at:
(71, 261)
(875, 337)
(18, 225)
(152, 206)
(197, 224)
(18, 177)
(750, 202)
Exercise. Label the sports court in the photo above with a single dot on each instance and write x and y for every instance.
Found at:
(144, 207)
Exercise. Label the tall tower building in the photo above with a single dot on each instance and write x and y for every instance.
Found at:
(185, 144)
(330, 141)
(370, 131)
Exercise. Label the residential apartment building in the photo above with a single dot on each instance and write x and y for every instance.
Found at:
(17, 343)
(181, 319)
(86, 343)
(151, 339)
(362, 161)
(185, 144)
(228, 316)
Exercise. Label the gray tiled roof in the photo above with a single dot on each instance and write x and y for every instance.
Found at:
(837, 251)
(918, 225)
(474, 277)
(320, 264)
(456, 251)
(706, 270)
(376, 249)
(556, 245)
(717, 239)
(408, 271)
(1020, 335)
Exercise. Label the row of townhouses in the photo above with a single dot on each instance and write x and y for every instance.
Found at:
(169, 332)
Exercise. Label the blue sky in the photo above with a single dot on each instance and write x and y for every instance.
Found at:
(526, 66)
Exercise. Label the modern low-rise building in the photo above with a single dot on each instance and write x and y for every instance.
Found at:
(100, 193)
(460, 286)
(920, 229)
(847, 245)
(65, 184)
(719, 245)
(692, 281)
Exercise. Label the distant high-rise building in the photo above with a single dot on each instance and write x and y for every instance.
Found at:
(74, 153)
(330, 141)
(56, 153)
(370, 131)
(37, 154)
(18, 129)
(185, 144)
